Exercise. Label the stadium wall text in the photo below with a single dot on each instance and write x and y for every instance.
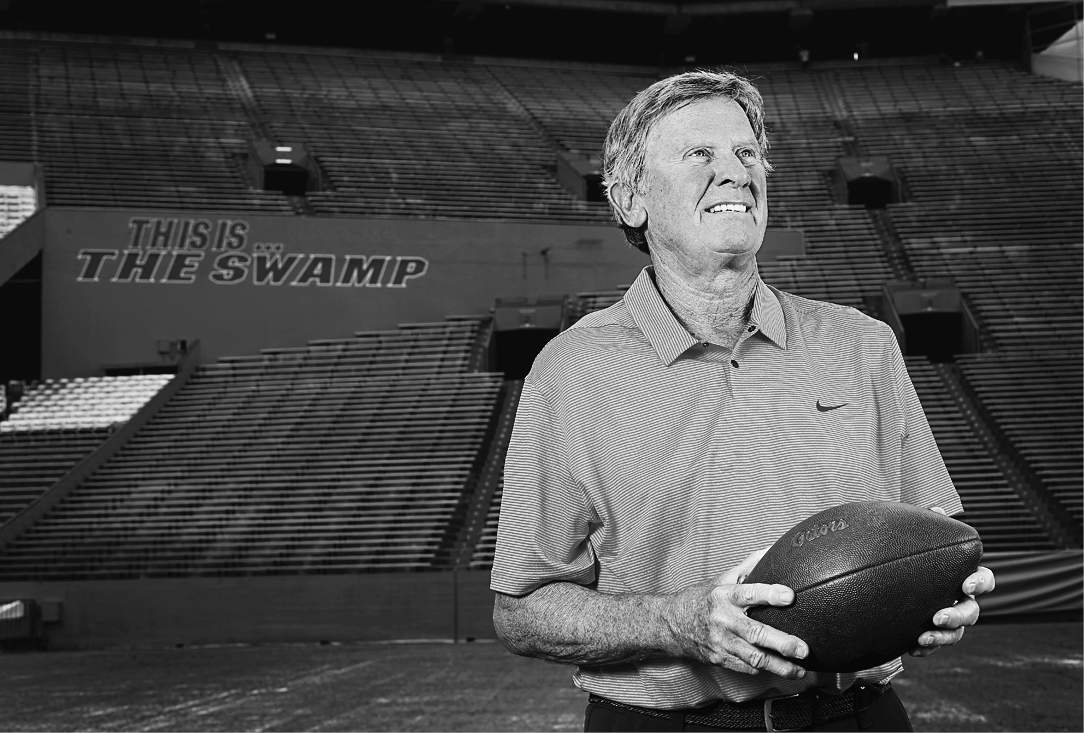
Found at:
(173, 250)
(117, 283)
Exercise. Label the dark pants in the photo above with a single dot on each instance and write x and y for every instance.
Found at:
(887, 714)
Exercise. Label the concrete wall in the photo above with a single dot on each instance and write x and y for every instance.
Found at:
(304, 608)
(116, 282)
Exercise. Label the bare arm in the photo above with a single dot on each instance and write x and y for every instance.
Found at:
(565, 622)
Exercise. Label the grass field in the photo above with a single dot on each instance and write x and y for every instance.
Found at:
(1001, 677)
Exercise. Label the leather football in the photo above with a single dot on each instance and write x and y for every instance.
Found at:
(868, 578)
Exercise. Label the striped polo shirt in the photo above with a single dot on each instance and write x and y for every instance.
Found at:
(645, 461)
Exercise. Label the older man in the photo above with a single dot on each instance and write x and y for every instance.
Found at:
(662, 443)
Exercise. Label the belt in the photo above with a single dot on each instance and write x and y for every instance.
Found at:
(794, 712)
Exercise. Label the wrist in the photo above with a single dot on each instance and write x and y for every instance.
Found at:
(686, 621)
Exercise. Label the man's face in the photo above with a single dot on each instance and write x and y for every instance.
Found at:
(704, 186)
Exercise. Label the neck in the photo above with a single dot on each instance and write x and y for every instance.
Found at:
(713, 307)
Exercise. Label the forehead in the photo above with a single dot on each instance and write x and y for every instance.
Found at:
(707, 120)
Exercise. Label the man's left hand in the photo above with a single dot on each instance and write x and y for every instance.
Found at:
(954, 620)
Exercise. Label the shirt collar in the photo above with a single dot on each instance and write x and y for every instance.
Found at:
(767, 315)
(670, 339)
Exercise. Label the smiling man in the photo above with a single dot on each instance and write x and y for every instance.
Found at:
(662, 444)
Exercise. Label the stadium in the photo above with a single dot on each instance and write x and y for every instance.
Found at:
(273, 276)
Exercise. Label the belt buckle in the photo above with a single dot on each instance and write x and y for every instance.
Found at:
(769, 724)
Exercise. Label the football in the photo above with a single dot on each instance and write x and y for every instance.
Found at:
(868, 578)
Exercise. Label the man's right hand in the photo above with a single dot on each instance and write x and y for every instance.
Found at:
(711, 620)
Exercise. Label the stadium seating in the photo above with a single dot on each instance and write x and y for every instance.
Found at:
(124, 126)
(1035, 400)
(92, 402)
(990, 504)
(346, 455)
(482, 557)
(32, 461)
(991, 159)
(354, 454)
(414, 137)
(410, 135)
(17, 203)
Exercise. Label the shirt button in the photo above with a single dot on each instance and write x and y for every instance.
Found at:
(752, 328)
(734, 363)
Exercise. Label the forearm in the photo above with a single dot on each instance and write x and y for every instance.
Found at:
(565, 622)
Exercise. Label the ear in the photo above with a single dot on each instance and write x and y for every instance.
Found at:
(629, 205)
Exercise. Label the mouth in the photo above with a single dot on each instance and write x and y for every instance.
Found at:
(737, 208)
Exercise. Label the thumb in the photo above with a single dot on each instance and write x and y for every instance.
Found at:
(738, 573)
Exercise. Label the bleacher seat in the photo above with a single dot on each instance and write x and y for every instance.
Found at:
(91, 402)
(17, 204)
(32, 461)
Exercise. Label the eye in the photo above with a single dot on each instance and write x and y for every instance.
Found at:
(699, 154)
(748, 155)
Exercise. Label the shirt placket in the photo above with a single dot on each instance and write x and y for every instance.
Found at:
(739, 359)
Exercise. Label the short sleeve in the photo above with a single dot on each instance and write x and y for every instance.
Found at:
(545, 519)
(924, 480)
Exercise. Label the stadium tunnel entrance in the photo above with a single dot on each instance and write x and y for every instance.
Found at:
(521, 328)
(931, 319)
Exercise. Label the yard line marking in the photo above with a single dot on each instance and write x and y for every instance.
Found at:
(358, 710)
(944, 710)
(1025, 660)
(165, 718)
(168, 717)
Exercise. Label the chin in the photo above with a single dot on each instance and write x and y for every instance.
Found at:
(741, 247)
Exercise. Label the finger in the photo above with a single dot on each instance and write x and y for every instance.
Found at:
(939, 638)
(764, 660)
(770, 639)
(939, 510)
(739, 573)
(979, 582)
(750, 562)
(921, 651)
(964, 613)
(760, 594)
(735, 663)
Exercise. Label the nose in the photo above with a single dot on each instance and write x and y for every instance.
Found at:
(730, 170)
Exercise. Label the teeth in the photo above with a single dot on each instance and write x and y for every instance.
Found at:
(741, 208)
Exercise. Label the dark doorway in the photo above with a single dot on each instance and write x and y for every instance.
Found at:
(291, 180)
(516, 349)
(870, 191)
(20, 345)
(937, 336)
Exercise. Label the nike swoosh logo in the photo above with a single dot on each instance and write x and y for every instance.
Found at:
(829, 408)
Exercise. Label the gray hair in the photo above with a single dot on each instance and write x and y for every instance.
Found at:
(625, 150)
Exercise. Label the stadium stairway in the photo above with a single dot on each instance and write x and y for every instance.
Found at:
(1033, 405)
(479, 533)
(995, 500)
